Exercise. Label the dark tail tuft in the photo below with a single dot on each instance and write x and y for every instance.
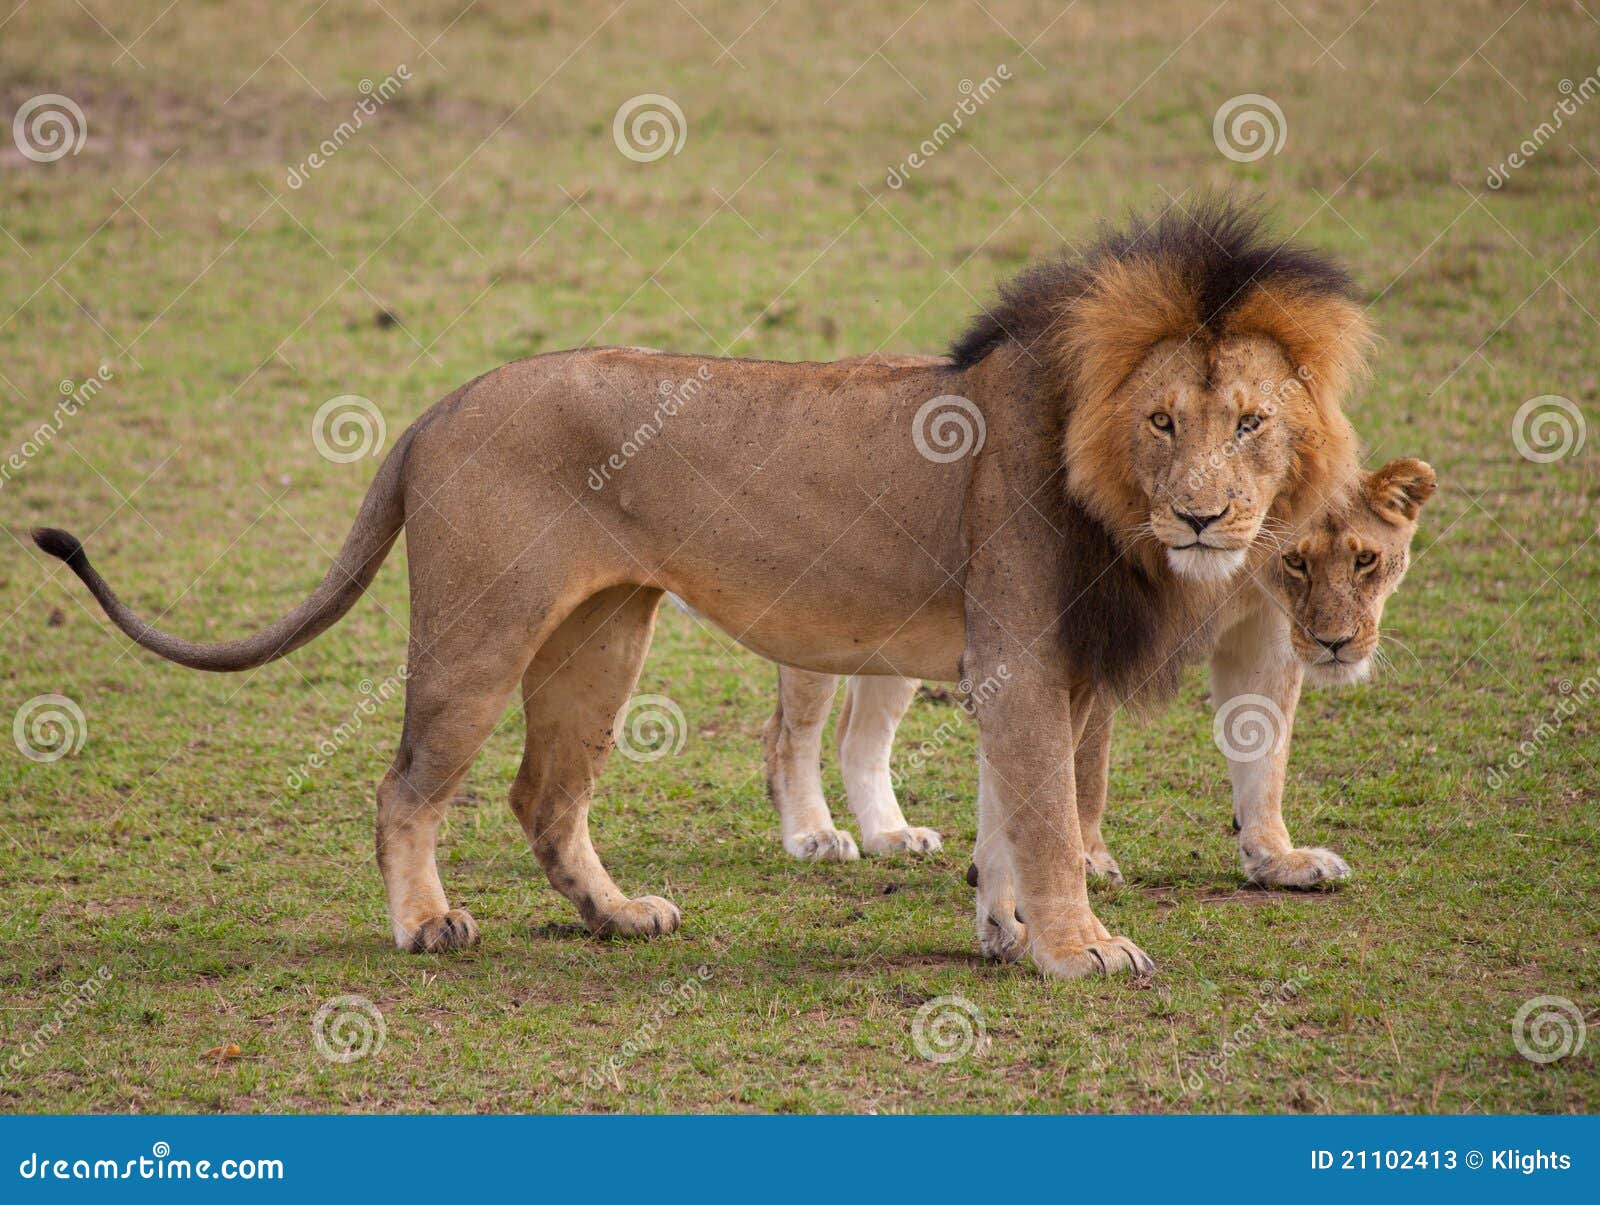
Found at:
(62, 544)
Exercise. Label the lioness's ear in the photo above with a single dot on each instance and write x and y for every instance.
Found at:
(1398, 490)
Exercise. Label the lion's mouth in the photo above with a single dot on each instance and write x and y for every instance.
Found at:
(1205, 563)
(1332, 670)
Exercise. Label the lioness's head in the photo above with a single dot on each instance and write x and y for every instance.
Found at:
(1334, 579)
(1200, 365)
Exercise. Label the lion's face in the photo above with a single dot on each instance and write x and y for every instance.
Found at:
(1336, 577)
(1213, 442)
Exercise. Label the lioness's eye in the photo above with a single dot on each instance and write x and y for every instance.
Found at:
(1161, 420)
(1363, 559)
(1247, 424)
(1296, 564)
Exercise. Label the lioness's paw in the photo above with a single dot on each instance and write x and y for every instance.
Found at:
(455, 930)
(647, 916)
(1298, 869)
(825, 845)
(903, 840)
(1101, 865)
(1107, 956)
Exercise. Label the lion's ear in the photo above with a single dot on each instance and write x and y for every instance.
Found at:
(1398, 490)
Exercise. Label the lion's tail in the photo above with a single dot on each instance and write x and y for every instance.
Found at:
(377, 526)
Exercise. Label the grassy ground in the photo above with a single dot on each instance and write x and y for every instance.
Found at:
(485, 213)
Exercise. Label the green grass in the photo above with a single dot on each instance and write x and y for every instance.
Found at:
(228, 307)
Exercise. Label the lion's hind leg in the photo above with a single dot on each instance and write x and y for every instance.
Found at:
(793, 747)
(572, 694)
(874, 707)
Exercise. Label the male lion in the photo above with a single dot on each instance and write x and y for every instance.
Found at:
(1309, 610)
(1127, 462)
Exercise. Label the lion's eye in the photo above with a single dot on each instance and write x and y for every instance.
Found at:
(1161, 420)
(1366, 559)
(1296, 564)
(1247, 424)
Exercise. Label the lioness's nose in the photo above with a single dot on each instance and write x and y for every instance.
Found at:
(1333, 644)
(1200, 522)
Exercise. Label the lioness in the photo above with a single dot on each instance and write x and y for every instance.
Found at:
(1310, 612)
(1126, 463)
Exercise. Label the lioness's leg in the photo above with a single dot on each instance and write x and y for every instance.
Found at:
(1091, 768)
(572, 692)
(1028, 823)
(454, 698)
(793, 741)
(873, 709)
(1256, 690)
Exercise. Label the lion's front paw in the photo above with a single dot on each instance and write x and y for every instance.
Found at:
(1298, 869)
(647, 916)
(1106, 956)
(824, 845)
(455, 930)
(1101, 865)
(903, 840)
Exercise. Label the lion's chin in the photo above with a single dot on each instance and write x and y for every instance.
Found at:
(1338, 673)
(1202, 563)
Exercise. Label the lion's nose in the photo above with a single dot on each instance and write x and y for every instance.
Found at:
(1333, 643)
(1200, 522)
